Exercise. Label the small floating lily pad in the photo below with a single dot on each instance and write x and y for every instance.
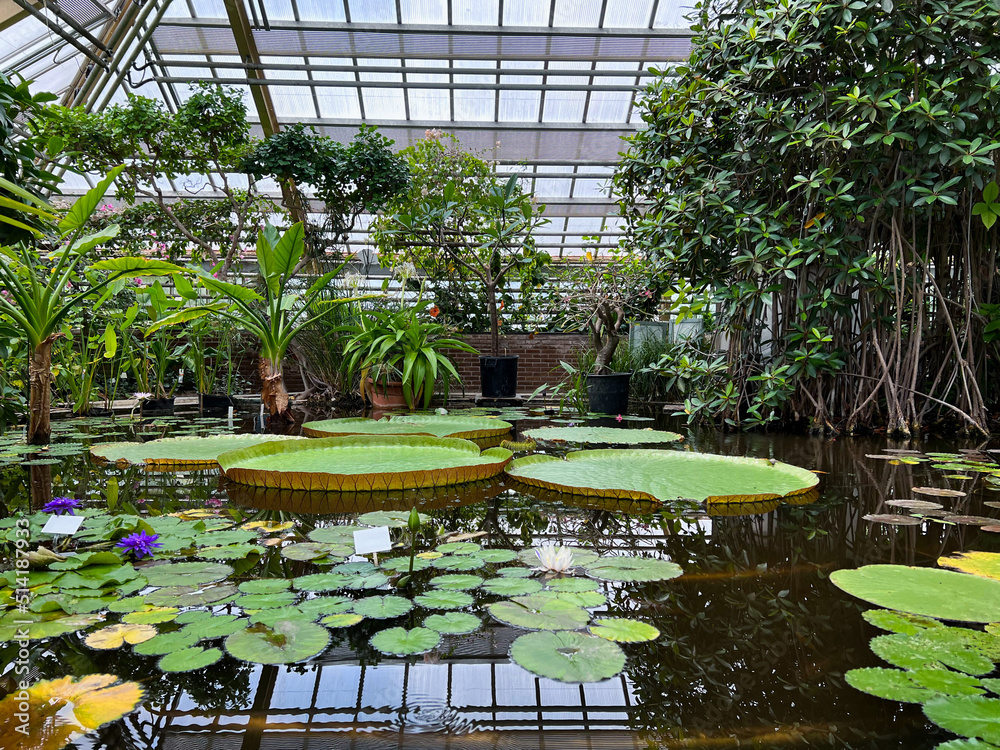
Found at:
(341, 620)
(458, 548)
(632, 569)
(440, 599)
(914, 504)
(265, 586)
(453, 623)
(167, 643)
(283, 643)
(116, 636)
(458, 562)
(930, 592)
(306, 551)
(383, 607)
(568, 656)
(394, 519)
(189, 659)
(186, 573)
(938, 492)
(624, 630)
(456, 582)
(216, 626)
(968, 715)
(512, 586)
(496, 555)
(403, 642)
(537, 613)
(892, 519)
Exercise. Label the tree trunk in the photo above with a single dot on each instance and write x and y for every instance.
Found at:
(273, 394)
(606, 353)
(40, 392)
(40, 487)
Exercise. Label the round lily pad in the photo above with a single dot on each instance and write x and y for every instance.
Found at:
(580, 556)
(151, 615)
(458, 562)
(402, 564)
(337, 535)
(363, 463)
(167, 643)
(383, 607)
(456, 582)
(931, 592)
(189, 659)
(411, 424)
(322, 582)
(283, 643)
(663, 475)
(306, 551)
(266, 601)
(190, 596)
(458, 548)
(967, 715)
(180, 452)
(453, 623)
(574, 585)
(601, 435)
(624, 630)
(216, 626)
(512, 586)
(265, 586)
(186, 573)
(116, 636)
(229, 552)
(394, 519)
(325, 605)
(892, 519)
(632, 569)
(568, 656)
(534, 613)
(441, 599)
(938, 492)
(342, 620)
(403, 642)
(496, 555)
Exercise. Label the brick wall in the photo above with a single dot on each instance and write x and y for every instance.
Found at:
(539, 357)
(538, 364)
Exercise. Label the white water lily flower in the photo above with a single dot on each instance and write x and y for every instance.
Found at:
(553, 558)
(140, 395)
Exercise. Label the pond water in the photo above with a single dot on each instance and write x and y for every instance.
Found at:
(755, 639)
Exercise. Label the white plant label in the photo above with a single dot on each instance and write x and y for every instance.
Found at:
(58, 525)
(368, 541)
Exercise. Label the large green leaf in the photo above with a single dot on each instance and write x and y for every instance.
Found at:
(283, 643)
(602, 435)
(977, 563)
(136, 266)
(411, 424)
(663, 475)
(931, 592)
(403, 642)
(85, 205)
(364, 462)
(969, 716)
(540, 613)
(567, 656)
(179, 452)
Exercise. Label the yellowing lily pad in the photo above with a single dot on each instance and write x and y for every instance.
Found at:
(116, 636)
(363, 462)
(983, 564)
(663, 475)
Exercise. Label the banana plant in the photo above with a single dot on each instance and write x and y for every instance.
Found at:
(41, 284)
(275, 317)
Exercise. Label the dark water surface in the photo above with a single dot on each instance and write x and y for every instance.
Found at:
(755, 640)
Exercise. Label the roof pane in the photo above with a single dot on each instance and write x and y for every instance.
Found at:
(292, 102)
(424, 11)
(475, 12)
(372, 11)
(337, 103)
(208, 8)
(526, 13)
(321, 10)
(577, 13)
(670, 14)
(627, 14)
(278, 10)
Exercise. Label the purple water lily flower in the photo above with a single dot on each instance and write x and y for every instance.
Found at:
(61, 506)
(140, 544)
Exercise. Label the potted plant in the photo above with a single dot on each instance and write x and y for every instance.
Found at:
(400, 354)
(601, 296)
(210, 357)
(459, 212)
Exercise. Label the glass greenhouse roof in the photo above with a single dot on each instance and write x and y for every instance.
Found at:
(547, 88)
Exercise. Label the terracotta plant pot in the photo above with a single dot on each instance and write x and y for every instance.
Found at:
(385, 395)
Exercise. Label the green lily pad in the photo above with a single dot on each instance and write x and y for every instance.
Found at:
(632, 569)
(624, 630)
(224, 538)
(190, 596)
(383, 607)
(967, 715)
(930, 592)
(265, 586)
(458, 562)
(932, 648)
(325, 605)
(514, 573)
(270, 617)
(151, 616)
(180, 452)
(453, 623)
(568, 656)
(602, 435)
(441, 599)
(496, 555)
(128, 604)
(899, 622)
(533, 613)
(266, 601)
(367, 581)
(186, 573)
(336, 535)
(318, 582)
(403, 642)
(306, 551)
(283, 643)
(47, 625)
(512, 586)
(442, 426)
(363, 463)
(458, 582)
(663, 475)
(458, 548)
(571, 585)
(229, 552)
(216, 626)
(166, 643)
(192, 615)
(342, 620)
(189, 659)
(402, 564)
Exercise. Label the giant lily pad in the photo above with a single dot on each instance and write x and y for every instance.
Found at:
(403, 642)
(282, 643)
(61, 711)
(602, 435)
(983, 564)
(364, 462)
(568, 657)
(931, 592)
(434, 425)
(180, 452)
(663, 475)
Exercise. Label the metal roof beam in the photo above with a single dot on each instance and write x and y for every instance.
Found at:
(65, 34)
(404, 85)
(239, 23)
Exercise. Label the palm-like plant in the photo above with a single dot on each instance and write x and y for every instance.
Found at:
(275, 317)
(38, 287)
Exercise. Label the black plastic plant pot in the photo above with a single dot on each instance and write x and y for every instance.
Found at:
(608, 394)
(498, 376)
(212, 403)
(157, 407)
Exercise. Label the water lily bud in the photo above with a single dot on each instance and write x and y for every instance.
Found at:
(414, 521)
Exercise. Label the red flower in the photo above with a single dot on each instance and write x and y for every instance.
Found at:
(434, 311)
